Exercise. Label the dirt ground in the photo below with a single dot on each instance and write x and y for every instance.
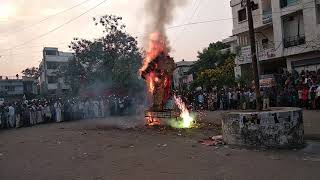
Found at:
(93, 150)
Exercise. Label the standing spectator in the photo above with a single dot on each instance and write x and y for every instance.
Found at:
(102, 108)
(225, 100)
(230, 99)
(247, 98)
(242, 100)
(200, 100)
(25, 115)
(47, 113)
(305, 97)
(300, 95)
(215, 100)
(266, 99)
(11, 117)
(39, 114)
(96, 108)
(57, 107)
(235, 99)
(313, 97)
(18, 108)
(252, 99)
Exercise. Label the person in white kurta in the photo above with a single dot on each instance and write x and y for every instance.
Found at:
(47, 113)
(57, 107)
(39, 114)
(81, 110)
(86, 110)
(102, 108)
(11, 117)
(34, 114)
(96, 109)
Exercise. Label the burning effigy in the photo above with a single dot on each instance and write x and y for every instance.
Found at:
(157, 71)
(158, 67)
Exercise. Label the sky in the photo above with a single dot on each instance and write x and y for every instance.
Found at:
(26, 25)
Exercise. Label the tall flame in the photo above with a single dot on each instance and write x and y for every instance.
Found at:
(157, 45)
(151, 82)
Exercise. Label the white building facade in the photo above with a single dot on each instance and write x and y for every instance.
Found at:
(181, 77)
(287, 35)
(16, 87)
(53, 60)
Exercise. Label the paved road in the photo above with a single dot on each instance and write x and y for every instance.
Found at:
(91, 150)
(311, 121)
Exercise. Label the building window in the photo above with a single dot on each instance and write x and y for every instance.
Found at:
(285, 3)
(293, 30)
(52, 79)
(10, 88)
(51, 52)
(254, 6)
(242, 15)
(52, 65)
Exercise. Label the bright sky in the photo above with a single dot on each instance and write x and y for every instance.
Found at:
(19, 26)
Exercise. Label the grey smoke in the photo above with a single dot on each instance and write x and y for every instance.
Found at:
(160, 13)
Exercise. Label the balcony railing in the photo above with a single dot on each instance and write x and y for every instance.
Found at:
(294, 41)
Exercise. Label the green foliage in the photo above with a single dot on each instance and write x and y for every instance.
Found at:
(31, 72)
(222, 75)
(74, 74)
(113, 58)
(211, 57)
(214, 67)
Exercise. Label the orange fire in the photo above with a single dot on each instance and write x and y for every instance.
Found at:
(157, 45)
(152, 121)
(151, 82)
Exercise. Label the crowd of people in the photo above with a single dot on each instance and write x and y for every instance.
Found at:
(26, 113)
(290, 89)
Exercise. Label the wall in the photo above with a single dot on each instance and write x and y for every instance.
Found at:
(280, 128)
(311, 28)
(240, 27)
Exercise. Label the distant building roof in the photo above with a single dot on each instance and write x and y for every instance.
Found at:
(61, 53)
(50, 48)
(229, 39)
(185, 63)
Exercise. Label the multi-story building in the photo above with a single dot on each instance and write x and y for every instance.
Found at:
(181, 76)
(287, 35)
(50, 81)
(15, 87)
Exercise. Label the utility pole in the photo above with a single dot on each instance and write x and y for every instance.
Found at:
(254, 55)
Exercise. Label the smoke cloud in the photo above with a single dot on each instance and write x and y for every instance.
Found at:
(160, 13)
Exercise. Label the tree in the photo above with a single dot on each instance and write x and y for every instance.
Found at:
(222, 75)
(113, 58)
(74, 75)
(211, 57)
(31, 72)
